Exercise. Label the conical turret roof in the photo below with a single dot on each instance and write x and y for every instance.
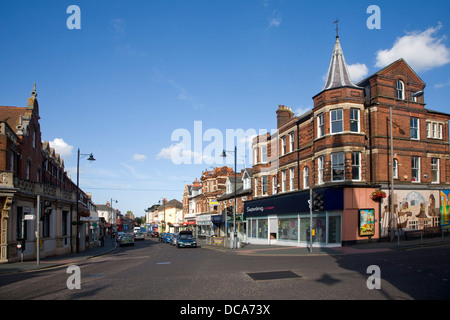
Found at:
(338, 75)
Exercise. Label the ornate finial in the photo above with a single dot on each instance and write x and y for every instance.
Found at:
(33, 93)
(337, 27)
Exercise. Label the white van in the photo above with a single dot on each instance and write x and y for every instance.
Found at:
(136, 229)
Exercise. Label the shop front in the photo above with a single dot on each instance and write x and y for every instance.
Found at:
(285, 219)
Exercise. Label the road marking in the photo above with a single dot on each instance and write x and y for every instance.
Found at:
(163, 263)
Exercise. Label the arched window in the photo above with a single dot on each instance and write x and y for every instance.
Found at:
(400, 90)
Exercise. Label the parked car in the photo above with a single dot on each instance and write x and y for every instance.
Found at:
(186, 240)
(161, 236)
(139, 235)
(173, 239)
(126, 239)
(154, 234)
(166, 237)
(119, 235)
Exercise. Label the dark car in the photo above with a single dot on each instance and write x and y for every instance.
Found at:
(186, 240)
(154, 234)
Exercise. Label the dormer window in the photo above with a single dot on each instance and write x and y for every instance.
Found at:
(229, 186)
(400, 87)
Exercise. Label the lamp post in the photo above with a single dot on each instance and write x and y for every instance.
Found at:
(163, 223)
(91, 158)
(224, 155)
(113, 216)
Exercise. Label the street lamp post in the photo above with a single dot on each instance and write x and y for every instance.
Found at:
(224, 154)
(113, 216)
(91, 158)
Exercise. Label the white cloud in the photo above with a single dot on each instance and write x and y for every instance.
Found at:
(358, 71)
(179, 153)
(275, 20)
(61, 147)
(139, 157)
(441, 85)
(422, 50)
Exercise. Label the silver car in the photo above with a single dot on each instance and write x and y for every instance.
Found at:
(139, 236)
(173, 239)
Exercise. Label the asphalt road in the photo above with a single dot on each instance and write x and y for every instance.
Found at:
(152, 270)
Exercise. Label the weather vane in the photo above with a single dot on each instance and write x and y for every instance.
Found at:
(337, 27)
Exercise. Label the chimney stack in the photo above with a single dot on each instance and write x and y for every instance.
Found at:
(284, 114)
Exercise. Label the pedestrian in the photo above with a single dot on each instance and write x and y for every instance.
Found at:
(102, 240)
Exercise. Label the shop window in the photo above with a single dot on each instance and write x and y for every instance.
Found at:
(288, 229)
(334, 229)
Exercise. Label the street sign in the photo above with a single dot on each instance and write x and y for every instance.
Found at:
(29, 217)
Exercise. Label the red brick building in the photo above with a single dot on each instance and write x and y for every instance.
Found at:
(341, 150)
(28, 168)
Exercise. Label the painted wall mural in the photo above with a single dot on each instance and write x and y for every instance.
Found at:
(413, 210)
(445, 204)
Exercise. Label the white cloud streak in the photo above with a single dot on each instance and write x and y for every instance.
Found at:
(422, 50)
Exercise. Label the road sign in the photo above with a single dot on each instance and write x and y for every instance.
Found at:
(29, 217)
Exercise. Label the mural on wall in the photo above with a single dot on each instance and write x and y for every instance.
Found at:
(445, 206)
(413, 210)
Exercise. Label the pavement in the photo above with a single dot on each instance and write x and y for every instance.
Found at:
(374, 246)
(247, 249)
(58, 261)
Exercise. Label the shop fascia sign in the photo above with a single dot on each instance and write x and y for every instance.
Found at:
(89, 218)
(260, 209)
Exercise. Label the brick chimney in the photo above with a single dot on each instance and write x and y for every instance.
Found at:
(284, 114)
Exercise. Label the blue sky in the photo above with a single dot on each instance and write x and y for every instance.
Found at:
(137, 71)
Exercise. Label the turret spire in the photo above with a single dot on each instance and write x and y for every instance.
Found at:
(33, 93)
(338, 75)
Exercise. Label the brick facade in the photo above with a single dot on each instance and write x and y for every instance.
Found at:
(344, 142)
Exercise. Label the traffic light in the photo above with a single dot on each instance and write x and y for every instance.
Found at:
(21, 244)
(317, 202)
